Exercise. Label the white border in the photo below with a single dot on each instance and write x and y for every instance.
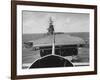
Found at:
(21, 71)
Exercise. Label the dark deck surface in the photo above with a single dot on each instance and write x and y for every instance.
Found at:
(51, 61)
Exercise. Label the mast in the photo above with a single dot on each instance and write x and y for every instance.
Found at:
(51, 27)
(52, 33)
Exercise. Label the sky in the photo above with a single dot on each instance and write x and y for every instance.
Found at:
(38, 22)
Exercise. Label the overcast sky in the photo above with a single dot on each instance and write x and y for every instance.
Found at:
(38, 22)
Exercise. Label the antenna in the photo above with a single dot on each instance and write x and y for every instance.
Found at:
(53, 44)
